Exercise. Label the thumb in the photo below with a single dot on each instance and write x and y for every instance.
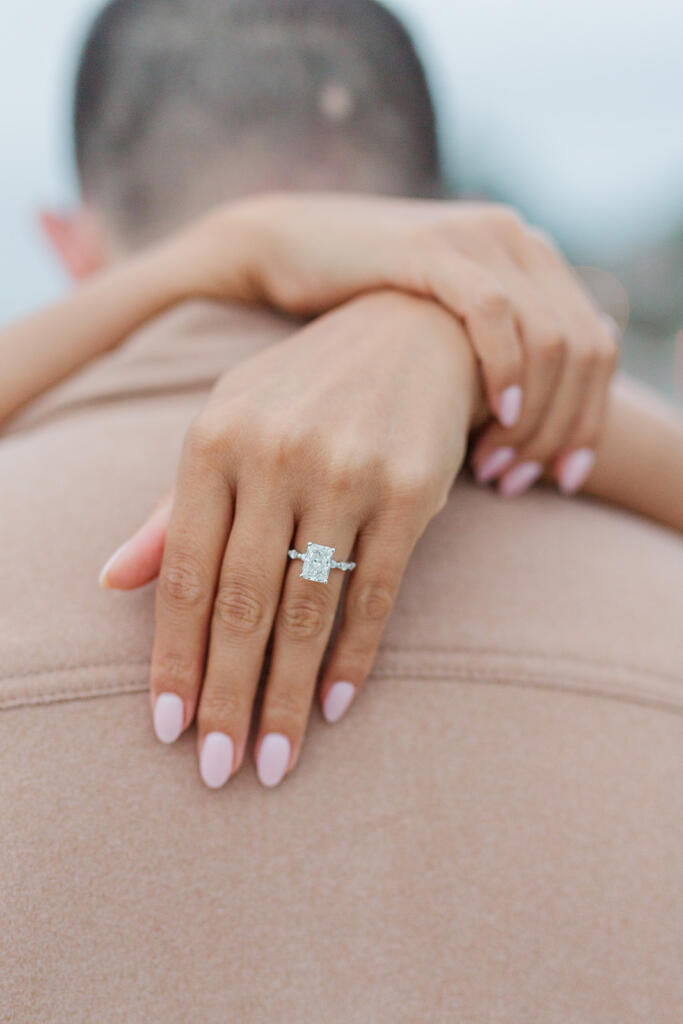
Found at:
(138, 560)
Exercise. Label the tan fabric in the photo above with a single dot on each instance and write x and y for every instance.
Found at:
(493, 834)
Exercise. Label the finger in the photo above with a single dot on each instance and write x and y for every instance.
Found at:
(539, 450)
(382, 555)
(592, 342)
(479, 299)
(302, 630)
(196, 539)
(243, 611)
(544, 353)
(573, 465)
(138, 560)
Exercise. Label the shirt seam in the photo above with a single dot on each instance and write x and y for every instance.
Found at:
(615, 681)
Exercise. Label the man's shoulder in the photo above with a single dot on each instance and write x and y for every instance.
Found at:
(543, 591)
(186, 348)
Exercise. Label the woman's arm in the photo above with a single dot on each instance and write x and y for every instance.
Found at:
(639, 463)
(544, 352)
(45, 347)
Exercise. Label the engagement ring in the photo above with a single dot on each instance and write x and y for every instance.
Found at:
(318, 561)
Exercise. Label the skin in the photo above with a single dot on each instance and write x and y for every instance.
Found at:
(531, 325)
(347, 465)
(344, 465)
(546, 354)
(370, 481)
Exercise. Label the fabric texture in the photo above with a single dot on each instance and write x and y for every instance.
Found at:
(494, 833)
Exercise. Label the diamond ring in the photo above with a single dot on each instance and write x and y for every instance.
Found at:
(318, 561)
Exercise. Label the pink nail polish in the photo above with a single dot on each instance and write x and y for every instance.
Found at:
(102, 579)
(168, 717)
(519, 479)
(337, 701)
(273, 758)
(216, 758)
(575, 469)
(494, 463)
(510, 405)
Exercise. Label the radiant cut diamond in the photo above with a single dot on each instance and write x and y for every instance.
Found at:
(317, 563)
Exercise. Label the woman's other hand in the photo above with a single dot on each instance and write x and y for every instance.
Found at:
(546, 353)
(350, 434)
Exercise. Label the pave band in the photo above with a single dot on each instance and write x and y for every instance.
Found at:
(318, 561)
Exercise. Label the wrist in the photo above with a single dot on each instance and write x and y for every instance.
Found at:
(430, 316)
(218, 257)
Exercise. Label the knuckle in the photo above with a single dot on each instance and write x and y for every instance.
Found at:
(183, 583)
(269, 453)
(374, 600)
(288, 293)
(239, 607)
(491, 303)
(586, 358)
(173, 670)
(219, 706)
(542, 246)
(410, 490)
(203, 441)
(351, 476)
(355, 659)
(552, 347)
(507, 219)
(303, 617)
(290, 447)
(288, 705)
(338, 476)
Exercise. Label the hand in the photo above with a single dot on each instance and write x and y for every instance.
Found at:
(546, 353)
(349, 434)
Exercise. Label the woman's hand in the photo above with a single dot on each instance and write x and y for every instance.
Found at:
(350, 435)
(546, 353)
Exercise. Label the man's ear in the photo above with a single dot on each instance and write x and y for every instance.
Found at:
(76, 238)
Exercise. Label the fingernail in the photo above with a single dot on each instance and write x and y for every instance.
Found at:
(575, 469)
(102, 579)
(510, 405)
(337, 701)
(168, 717)
(273, 758)
(520, 478)
(494, 463)
(215, 761)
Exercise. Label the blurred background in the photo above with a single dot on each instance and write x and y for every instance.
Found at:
(571, 112)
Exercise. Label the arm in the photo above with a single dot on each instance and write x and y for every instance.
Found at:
(544, 353)
(45, 347)
(639, 463)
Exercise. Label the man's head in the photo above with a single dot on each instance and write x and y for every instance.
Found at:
(183, 103)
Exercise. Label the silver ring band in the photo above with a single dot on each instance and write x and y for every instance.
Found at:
(318, 562)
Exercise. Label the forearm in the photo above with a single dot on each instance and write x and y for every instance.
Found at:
(45, 347)
(639, 462)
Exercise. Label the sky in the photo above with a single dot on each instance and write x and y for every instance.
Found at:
(569, 110)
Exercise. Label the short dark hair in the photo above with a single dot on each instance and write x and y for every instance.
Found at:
(166, 88)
